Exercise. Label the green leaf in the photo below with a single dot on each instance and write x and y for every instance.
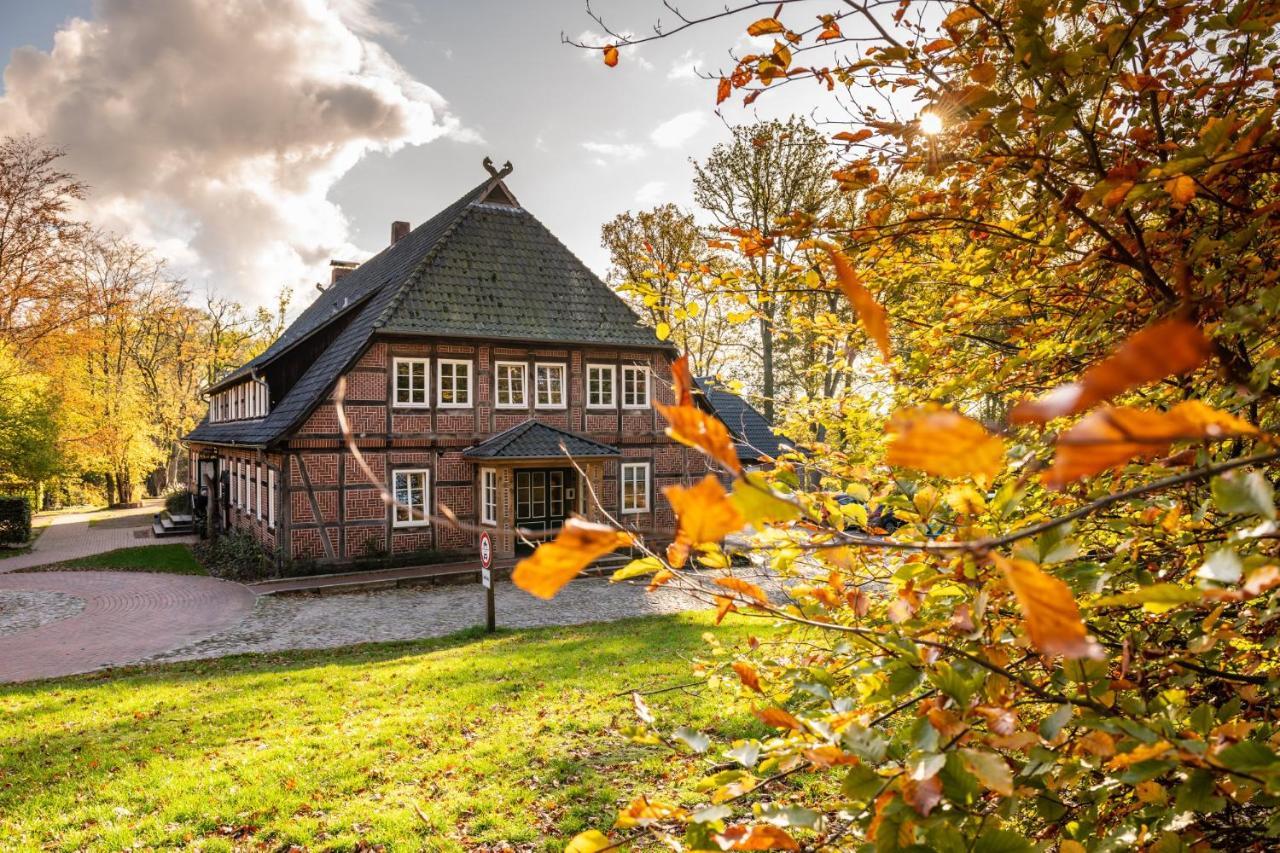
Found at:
(1001, 841)
(1247, 755)
(992, 770)
(1160, 595)
(861, 783)
(695, 740)
(1052, 724)
(1196, 794)
(789, 816)
(711, 813)
(757, 502)
(1222, 566)
(867, 744)
(1241, 493)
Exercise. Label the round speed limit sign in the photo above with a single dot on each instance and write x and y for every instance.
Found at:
(486, 550)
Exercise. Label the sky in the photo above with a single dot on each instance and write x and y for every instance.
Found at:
(252, 141)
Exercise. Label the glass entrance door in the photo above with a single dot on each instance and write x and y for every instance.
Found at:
(545, 497)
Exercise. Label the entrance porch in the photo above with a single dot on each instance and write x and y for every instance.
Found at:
(532, 477)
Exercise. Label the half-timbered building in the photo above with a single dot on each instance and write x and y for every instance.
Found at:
(483, 371)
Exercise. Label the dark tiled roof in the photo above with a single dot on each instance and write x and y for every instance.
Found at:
(502, 274)
(755, 436)
(535, 440)
(475, 269)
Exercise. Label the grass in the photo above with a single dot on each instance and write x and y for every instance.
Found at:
(173, 558)
(449, 745)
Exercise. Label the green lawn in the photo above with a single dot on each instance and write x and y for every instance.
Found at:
(174, 558)
(451, 744)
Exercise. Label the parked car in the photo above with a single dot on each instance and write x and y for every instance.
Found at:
(878, 518)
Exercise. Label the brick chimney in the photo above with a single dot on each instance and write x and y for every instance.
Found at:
(399, 230)
(337, 269)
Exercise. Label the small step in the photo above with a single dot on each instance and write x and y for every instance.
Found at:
(162, 526)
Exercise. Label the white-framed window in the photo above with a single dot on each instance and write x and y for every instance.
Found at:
(549, 393)
(411, 381)
(271, 498)
(257, 487)
(237, 486)
(411, 487)
(251, 481)
(509, 380)
(244, 484)
(453, 383)
(634, 481)
(600, 386)
(488, 496)
(635, 386)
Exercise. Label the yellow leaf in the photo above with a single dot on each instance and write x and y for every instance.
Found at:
(1049, 610)
(1181, 189)
(1170, 347)
(590, 841)
(759, 504)
(965, 500)
(943, 442)
(872, 314)
(559, 561)
(765, 26)
(663, 330)
(704, 513)
(644, 811)
(959, 16)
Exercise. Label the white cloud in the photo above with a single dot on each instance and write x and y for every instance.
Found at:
(624, 151)
(686, 67)
(675, 132)
(215, 129)
(650, 193)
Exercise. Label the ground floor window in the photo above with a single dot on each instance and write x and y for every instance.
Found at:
(488, 496)
(411, 498)
(271, 498)
(635, 487)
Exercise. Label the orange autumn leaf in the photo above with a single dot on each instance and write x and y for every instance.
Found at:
(723, 90)
(872, 314)
(765, 26)
(747, 675)
(724, 606)
(704, 513)
(779, 719)
(682, 381)
(644, 811)
(831, 32)
(922, 794)
(1167, 348)
(1049, 610)
(1181, 189)
(693, 427)
(659, 578)
(611, 55)
(857, 136)
(1109, 437)
(742, 587)
(557, 562)
(942, 442)
(1117, 194)
(829, 756)
(761, 836)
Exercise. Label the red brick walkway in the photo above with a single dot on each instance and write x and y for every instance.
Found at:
(127, 616)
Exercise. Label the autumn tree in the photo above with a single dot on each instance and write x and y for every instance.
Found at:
(765, 173)
(1059, 245)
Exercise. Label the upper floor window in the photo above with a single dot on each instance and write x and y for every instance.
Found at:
(635, 386)
(510, 383)
(410, 509)
(600, 393)
(454, 383)
(411, 381)
(550, 387)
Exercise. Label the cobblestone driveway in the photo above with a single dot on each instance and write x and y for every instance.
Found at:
(311, 621)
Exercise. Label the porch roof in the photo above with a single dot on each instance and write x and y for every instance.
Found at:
(535, 440)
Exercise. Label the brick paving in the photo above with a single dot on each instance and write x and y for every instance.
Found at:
(128, 617)
(69, 537)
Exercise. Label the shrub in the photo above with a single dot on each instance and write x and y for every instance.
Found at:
(15, 521)
(234, 557)
(178, 502)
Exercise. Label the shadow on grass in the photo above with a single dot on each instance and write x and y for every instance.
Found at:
(72, 734)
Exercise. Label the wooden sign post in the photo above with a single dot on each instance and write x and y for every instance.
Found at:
(486, 577)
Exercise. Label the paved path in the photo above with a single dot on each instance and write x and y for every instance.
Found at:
(127, 617)
(69, 536)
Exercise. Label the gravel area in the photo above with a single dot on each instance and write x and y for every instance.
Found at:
(23, 610)
(314, 621)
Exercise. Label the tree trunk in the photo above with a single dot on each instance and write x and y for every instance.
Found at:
(766, 355)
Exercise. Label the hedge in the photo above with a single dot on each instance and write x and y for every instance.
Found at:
(15, 521)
